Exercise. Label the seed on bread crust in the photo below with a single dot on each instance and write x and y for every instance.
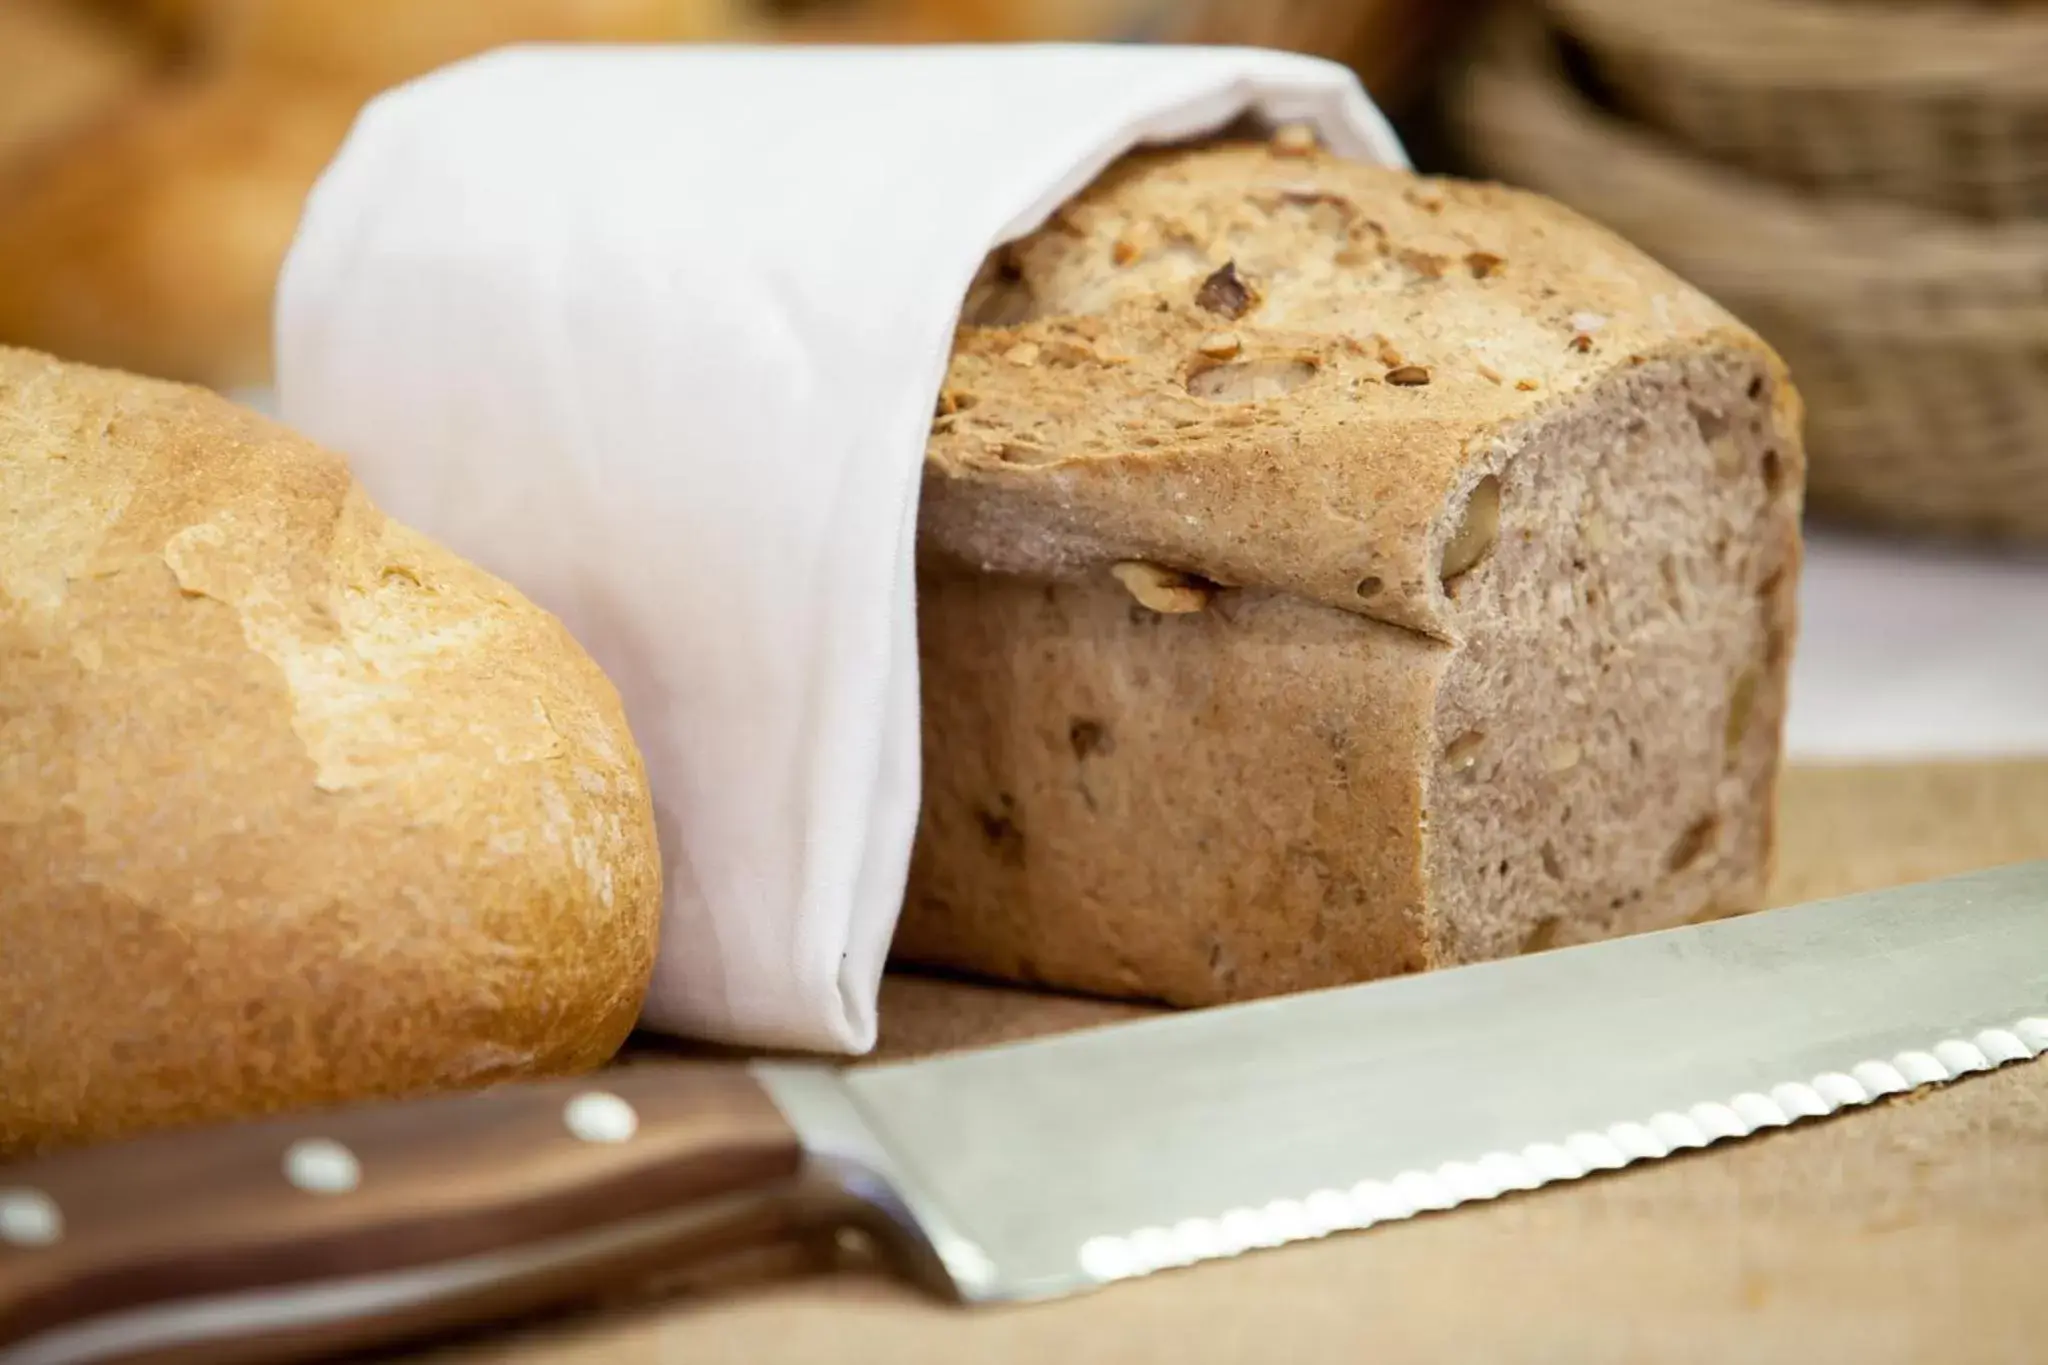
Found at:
(1295, 139)
(1226, 292)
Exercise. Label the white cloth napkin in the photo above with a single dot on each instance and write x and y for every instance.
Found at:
(656, 334)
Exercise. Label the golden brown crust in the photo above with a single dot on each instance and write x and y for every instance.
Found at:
(1392, 324)
(295, 806)
(153, 243)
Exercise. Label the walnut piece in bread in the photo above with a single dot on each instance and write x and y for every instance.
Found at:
(296, 807)
(1498, 527)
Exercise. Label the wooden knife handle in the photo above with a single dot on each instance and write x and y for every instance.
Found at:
(301, 1237)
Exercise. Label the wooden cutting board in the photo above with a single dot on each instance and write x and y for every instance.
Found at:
(1913, 1231)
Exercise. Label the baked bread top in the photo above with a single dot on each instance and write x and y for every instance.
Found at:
(296, 806)
(1266, 366)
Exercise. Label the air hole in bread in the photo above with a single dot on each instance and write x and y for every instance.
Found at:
(1674, 584)
(1741, 705)
(1089, 737)
(1774, 471)
(1250, 381)
(1713, 426)
(1756, 388)
(1000, 296)
(1551, 867)
(1370, 585)
(1542, 936)
(1697, 839)
(1461, 755)
(1478, 529)
(1001, 832)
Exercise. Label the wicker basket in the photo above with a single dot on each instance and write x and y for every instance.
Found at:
(1933, 103)
(1920, 344)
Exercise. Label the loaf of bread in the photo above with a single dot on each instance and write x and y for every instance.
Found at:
(177, 27)
(1327, 573)
(384, 42)
(152, 243)
(60, 69)
(296, 807)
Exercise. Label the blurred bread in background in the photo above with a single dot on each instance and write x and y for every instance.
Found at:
(969, 21)
(153, 243)
(1396, 46)
(155, 154)
(174, 26)
(60, 67)
(384, 42)
(146, 203)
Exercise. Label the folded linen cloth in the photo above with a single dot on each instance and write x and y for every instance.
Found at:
(655, 333)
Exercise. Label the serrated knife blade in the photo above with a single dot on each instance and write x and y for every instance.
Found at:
(1033, 1169)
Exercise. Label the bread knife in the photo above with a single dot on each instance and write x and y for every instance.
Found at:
(1029, 1170)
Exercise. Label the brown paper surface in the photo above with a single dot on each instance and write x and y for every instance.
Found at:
(1916, 1230)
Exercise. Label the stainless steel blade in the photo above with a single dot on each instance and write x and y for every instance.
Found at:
(1045, 1167)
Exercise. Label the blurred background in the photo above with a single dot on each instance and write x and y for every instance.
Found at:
(1864, 181)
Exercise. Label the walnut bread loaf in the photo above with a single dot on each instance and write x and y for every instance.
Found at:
(1327, 573)
(296, 807)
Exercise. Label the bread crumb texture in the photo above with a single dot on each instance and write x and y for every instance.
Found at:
(1370, 573)
(296, 807)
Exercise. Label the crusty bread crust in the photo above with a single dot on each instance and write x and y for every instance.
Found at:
(1454, 623)
(1408, 319)
(295, 806)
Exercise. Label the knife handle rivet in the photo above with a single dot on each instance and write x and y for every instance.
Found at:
(595, 1116)
(322, 1166)
(29, 1218)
